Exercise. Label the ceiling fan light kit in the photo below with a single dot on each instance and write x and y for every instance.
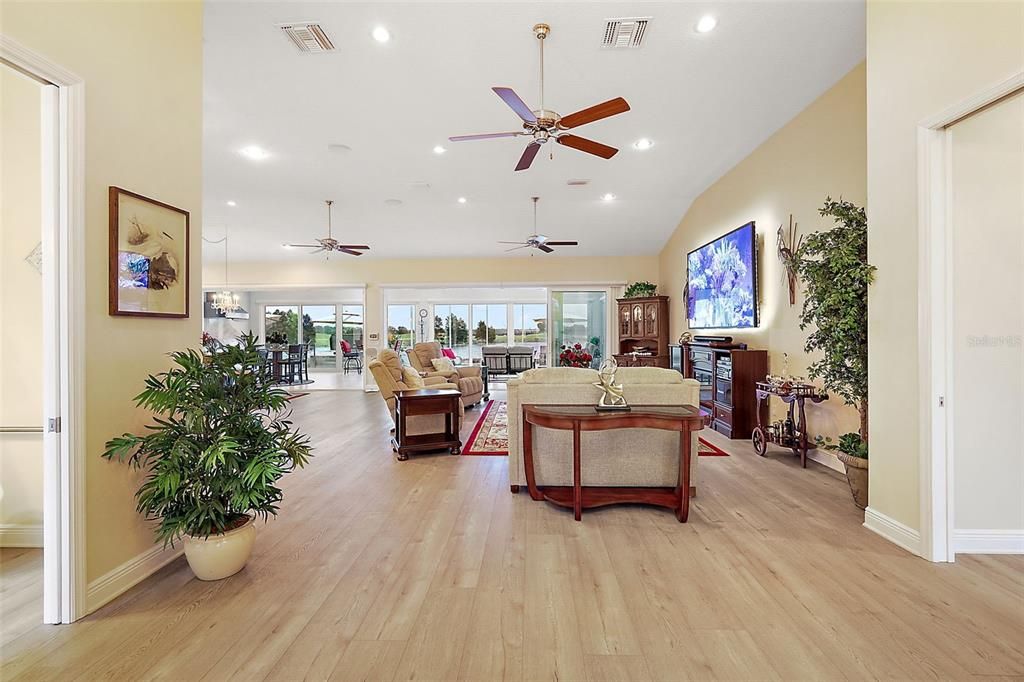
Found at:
(544, 125)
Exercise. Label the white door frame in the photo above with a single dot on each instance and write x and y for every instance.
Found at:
(64, 586)
(935, 342)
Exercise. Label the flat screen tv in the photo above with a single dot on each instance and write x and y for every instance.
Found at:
(722, 282)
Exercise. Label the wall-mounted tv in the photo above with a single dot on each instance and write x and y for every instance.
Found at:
(722, 282)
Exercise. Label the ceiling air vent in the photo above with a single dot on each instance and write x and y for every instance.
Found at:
(627, 32)
(577, 182)
(308, 37)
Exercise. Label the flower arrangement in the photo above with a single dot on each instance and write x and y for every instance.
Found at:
(575, 356)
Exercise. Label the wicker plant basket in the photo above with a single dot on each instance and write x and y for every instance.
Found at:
(857, 477)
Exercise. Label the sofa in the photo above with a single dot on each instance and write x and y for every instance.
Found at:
(619, 457)
(468, 379)
(387, 372)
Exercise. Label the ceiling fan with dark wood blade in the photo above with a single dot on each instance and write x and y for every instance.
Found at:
(538, 241)
(544, 125)
(329, 243)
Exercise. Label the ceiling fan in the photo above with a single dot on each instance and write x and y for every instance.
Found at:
(538, 241)
(329, 243)
(544, 125)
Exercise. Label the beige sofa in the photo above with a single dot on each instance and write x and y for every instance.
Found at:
(619, 457)
(387, 372)
(468, 379)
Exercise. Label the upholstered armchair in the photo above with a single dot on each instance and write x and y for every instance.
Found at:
(387, 372)
(468, 379)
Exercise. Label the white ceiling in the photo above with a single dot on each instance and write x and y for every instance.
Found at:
(707, 100)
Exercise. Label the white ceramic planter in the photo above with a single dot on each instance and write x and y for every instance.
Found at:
(220, 556)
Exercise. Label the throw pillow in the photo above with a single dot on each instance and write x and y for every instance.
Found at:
(443, 365)
(346, 347)
(412, 378)
(448, 353)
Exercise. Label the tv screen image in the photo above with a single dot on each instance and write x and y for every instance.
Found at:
(722, 282)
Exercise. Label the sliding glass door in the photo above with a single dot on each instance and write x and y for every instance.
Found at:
(281, 323)
(400, 326)
(579, 317)
(352, 325)
(451, 327)
(320, 333)
(529, 328)
(490, 326)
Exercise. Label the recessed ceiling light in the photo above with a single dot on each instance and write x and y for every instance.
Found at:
(706, 24)
(232, 203)
(254, 153)
(438, 149)
(608, 197)
(643, 143)
(381, 34)
(462, 200)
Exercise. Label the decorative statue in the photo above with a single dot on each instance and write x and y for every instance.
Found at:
(612, 399)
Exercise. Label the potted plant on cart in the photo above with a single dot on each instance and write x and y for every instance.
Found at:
(834, 269)
(220, 441)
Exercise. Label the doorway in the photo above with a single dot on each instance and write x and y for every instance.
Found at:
(580, 317)
(971, 161)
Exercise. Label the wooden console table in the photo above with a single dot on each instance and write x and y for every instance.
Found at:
(425, 401)
(578, 418)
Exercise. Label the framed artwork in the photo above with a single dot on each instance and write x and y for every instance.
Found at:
(149, 257)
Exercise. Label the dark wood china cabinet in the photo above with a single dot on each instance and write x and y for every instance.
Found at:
(643, 332)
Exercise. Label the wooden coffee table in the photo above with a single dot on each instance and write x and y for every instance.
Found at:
(425, 401)
(578, 418)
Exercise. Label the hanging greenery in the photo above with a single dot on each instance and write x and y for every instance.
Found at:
(218, 446)
(834, 270)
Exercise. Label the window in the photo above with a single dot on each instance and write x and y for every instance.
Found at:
(579, 317)
(490, 326)
(529, 327)
(319, 332)
(400, 326)
(352, 325)
(451, 327)
(281, 324)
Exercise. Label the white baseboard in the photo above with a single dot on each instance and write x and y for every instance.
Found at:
(18, 535)
(129, 574)
(980, 541)
(893, 531)
(827, 459)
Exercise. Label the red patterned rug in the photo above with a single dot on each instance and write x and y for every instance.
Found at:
(490, 435)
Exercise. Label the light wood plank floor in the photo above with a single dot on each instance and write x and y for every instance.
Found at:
(430, 569)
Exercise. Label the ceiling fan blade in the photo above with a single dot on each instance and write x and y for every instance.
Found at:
(594, 113)
(545, 248)
(518, 105)
(304, 246)
(521, 243)
(527, 158)
(354, 246)
(588, 146)
(550, 243)
(350, 251)
(483, 136)
(516, 248)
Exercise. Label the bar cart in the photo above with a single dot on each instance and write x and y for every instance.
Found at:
(790, 432)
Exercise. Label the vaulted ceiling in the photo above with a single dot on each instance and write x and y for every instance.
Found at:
(359, 124)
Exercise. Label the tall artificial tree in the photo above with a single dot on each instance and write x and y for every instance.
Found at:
(833, 267)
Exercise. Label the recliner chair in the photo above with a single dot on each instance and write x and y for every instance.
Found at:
(468, 379)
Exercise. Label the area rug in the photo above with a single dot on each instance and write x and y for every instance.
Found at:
(490, 435)
(706, 449)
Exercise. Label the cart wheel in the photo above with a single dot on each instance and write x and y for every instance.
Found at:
(760, 441)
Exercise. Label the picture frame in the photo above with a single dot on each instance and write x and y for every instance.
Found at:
(149, 258)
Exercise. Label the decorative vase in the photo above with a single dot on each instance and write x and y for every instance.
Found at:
(219, 556)
(857, 477)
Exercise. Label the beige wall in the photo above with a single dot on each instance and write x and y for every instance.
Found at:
(539, 269)
(142, 67)
(821, 152)
(21, 297)
(922, 57)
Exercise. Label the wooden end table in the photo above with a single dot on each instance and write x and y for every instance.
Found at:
(578, 418)
(426, 401)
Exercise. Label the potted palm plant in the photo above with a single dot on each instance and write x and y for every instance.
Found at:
(220, 442)
(833, 266)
